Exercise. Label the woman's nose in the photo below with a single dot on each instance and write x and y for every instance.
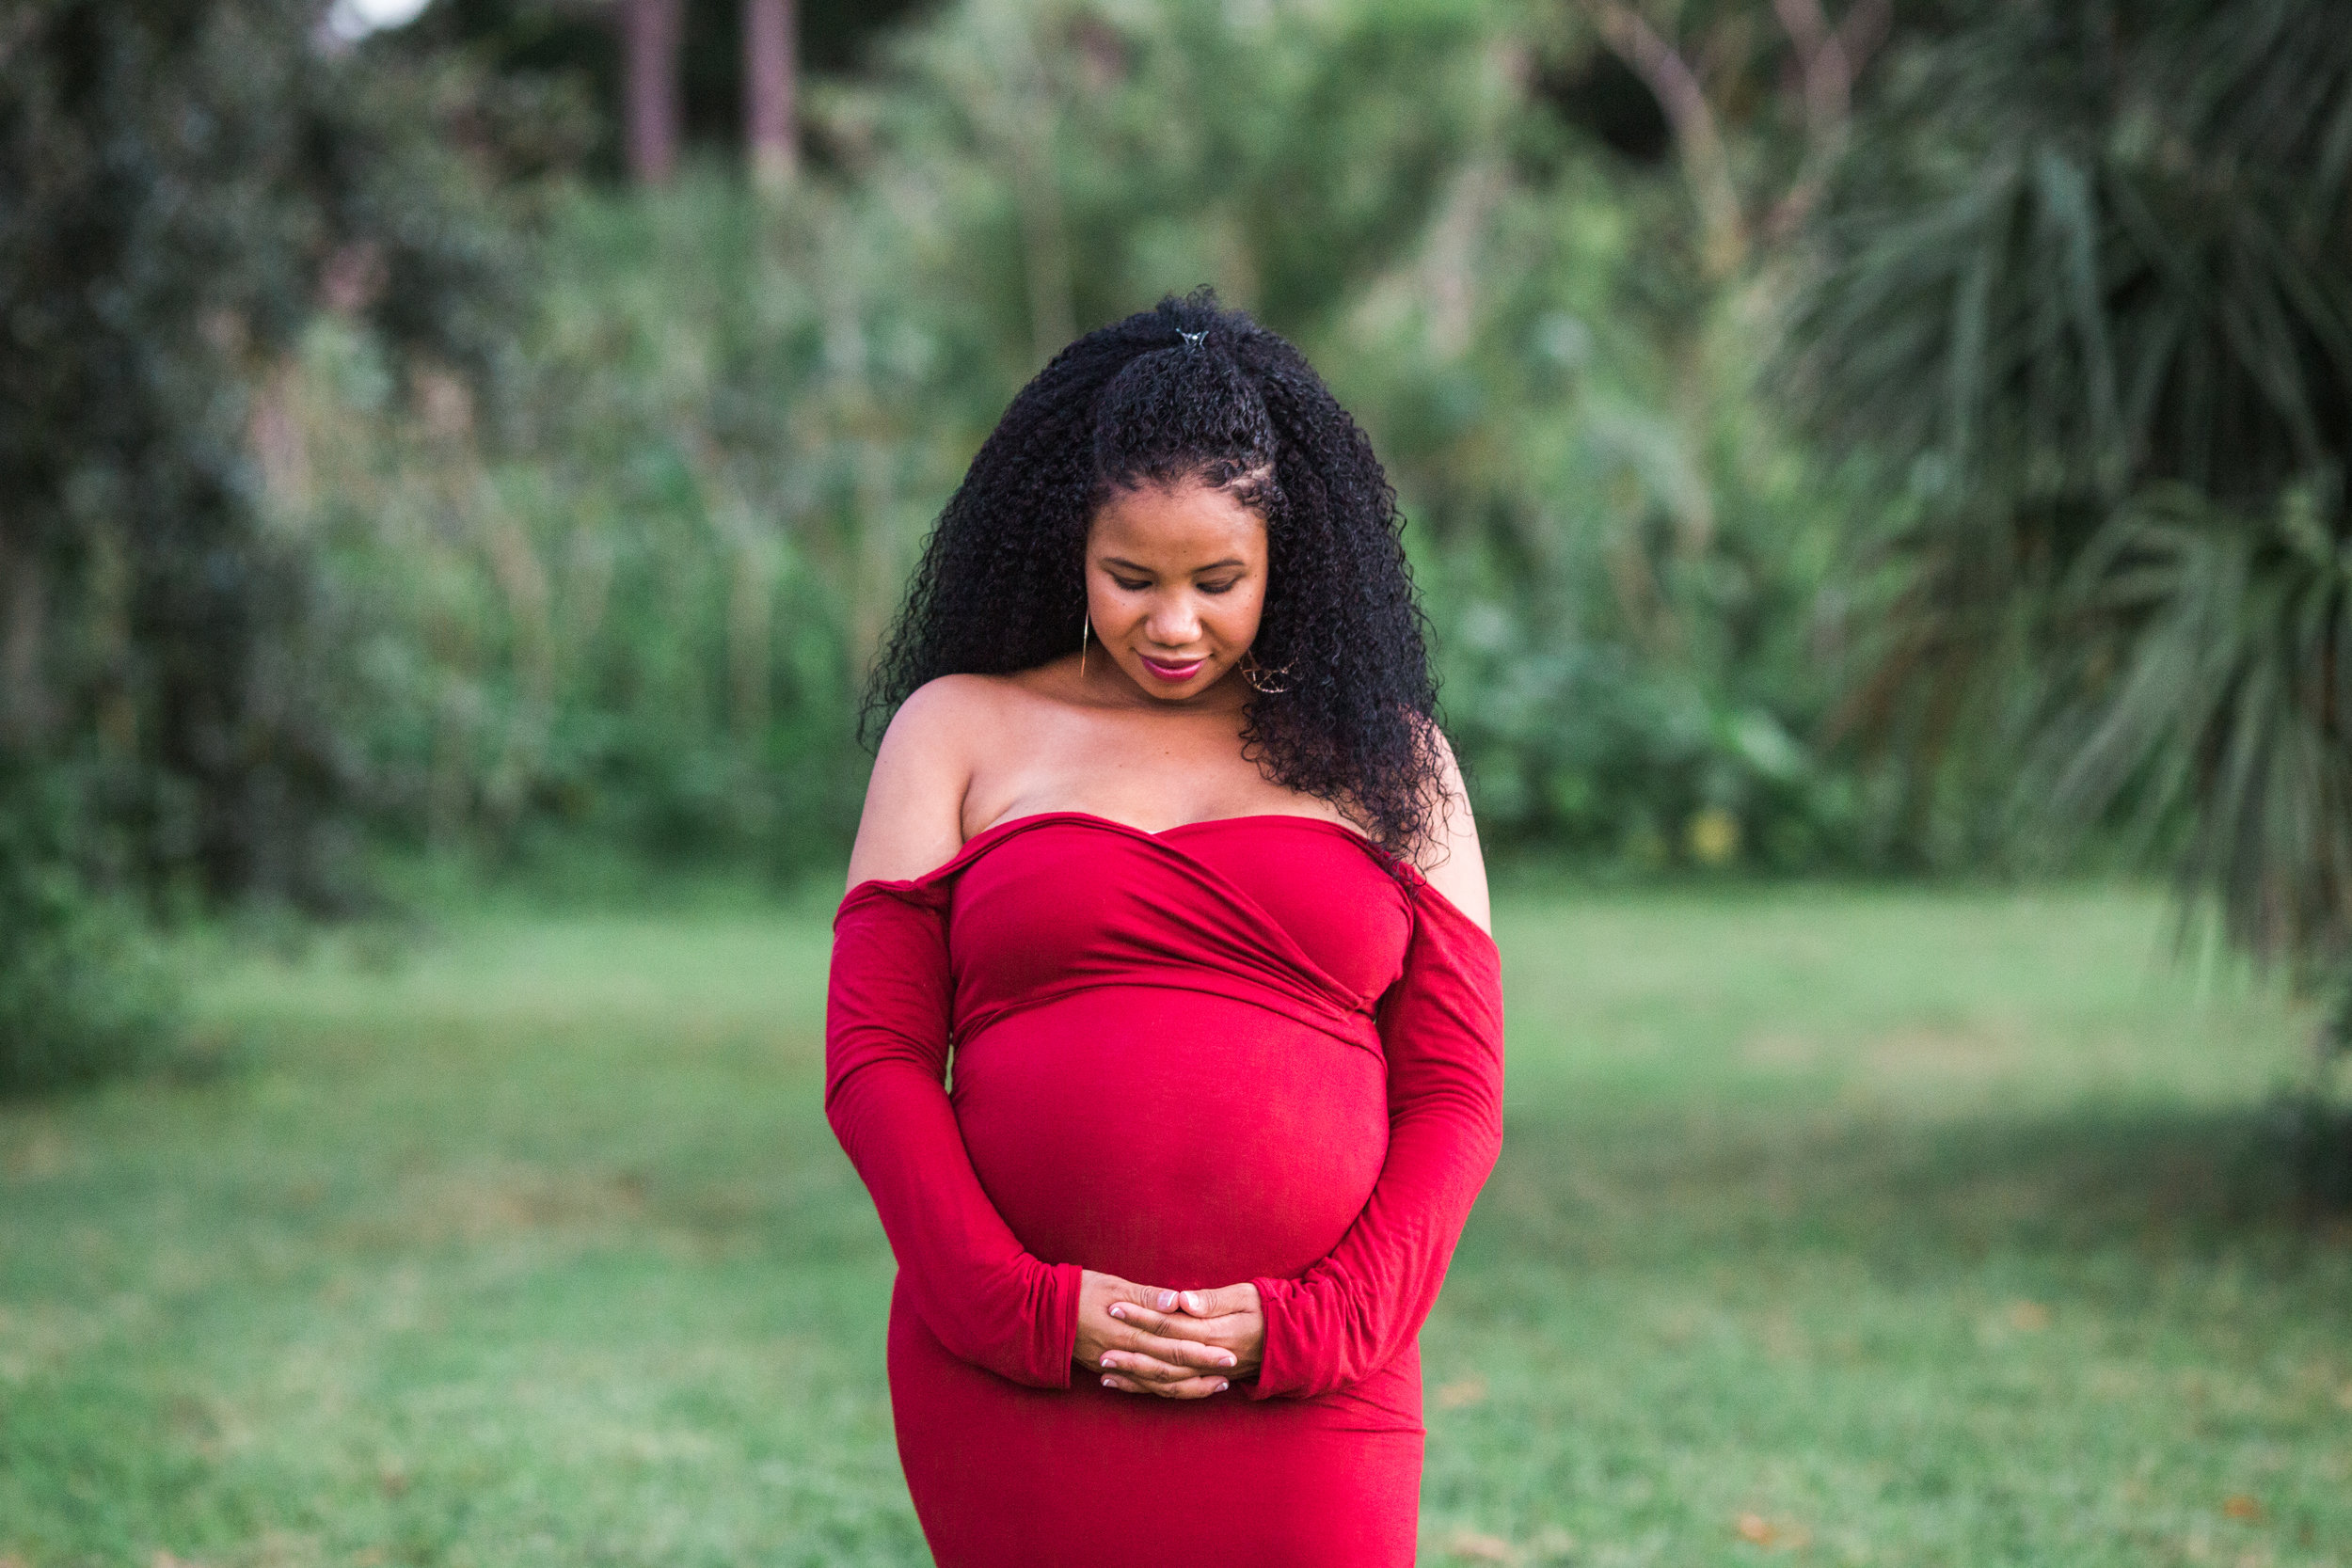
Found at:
(1172, 625)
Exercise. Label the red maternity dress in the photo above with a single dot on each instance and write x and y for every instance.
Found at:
(1247, 1048)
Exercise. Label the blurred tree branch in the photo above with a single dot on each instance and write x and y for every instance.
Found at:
(1698, 138)
(1829, 58)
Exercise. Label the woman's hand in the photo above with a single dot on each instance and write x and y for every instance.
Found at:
(1115, 1338)
(1230, 1321)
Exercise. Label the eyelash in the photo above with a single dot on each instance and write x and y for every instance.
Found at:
(1206, 587)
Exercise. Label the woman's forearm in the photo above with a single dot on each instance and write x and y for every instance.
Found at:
(889, 1010)
(1442, 1027)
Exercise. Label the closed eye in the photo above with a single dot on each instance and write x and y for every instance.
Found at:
(1130, 587)
(1224, 587)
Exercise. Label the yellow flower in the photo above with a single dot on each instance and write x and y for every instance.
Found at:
(1713, 836)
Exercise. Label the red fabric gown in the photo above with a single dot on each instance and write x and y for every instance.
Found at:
(1241, 1049)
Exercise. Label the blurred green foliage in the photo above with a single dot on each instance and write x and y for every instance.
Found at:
(2085, 293)
(566, 47)
(84, 993)
(180, 186)
(641, 608)
(379, 480)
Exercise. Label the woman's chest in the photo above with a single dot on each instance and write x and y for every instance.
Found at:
(1155, 771)
(1296, 905)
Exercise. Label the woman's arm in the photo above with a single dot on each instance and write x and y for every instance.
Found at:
(886, 1022)
(1454, 864)
(914, 817)
(1355, 1310)
(889, 1010)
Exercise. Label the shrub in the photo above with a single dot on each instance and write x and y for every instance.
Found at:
(83, 991)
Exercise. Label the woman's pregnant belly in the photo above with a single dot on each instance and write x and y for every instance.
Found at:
(1172, 1137)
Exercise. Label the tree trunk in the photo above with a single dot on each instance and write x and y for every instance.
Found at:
(769, 81)
(23, 639)
(650, 31)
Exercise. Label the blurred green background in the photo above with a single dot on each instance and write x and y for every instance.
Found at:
(1877, 476)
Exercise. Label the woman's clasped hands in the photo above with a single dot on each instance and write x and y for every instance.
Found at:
(1178, 1344)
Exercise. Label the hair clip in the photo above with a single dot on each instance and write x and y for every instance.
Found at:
(1193, 340)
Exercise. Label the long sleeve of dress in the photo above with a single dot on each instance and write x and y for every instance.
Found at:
(1441, 1029)
(887, 1019)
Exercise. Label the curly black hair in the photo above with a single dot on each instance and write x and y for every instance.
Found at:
(1189, 391)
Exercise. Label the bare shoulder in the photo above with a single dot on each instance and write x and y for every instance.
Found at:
(914, 817)
(943, 708)
(1451, 861)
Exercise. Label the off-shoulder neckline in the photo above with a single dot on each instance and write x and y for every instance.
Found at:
(1174, 828)
(1404, 871)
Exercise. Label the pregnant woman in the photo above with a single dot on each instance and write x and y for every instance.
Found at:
(1166, 869)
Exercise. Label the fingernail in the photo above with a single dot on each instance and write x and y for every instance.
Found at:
(1107, 1363)
(1110, 1382)
(1167, 1301)
(1223, 1385)
(1119, 1313)
(1195, 1302)
(1227, 1358)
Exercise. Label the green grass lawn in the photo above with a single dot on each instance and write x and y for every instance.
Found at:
(1831, 1226)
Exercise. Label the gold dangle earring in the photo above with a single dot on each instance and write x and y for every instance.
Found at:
(1266, 682)
(1085, 626)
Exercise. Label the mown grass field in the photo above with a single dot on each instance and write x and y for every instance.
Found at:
(1833, 1227)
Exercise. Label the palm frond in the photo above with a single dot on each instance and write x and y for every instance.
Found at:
(2213, 695)
(2084, 288)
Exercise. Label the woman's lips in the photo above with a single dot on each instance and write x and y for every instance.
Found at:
(1171, 670)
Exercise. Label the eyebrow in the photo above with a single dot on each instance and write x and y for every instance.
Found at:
(1142, 570)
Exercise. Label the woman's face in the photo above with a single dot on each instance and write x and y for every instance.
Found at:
(1175, 583)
